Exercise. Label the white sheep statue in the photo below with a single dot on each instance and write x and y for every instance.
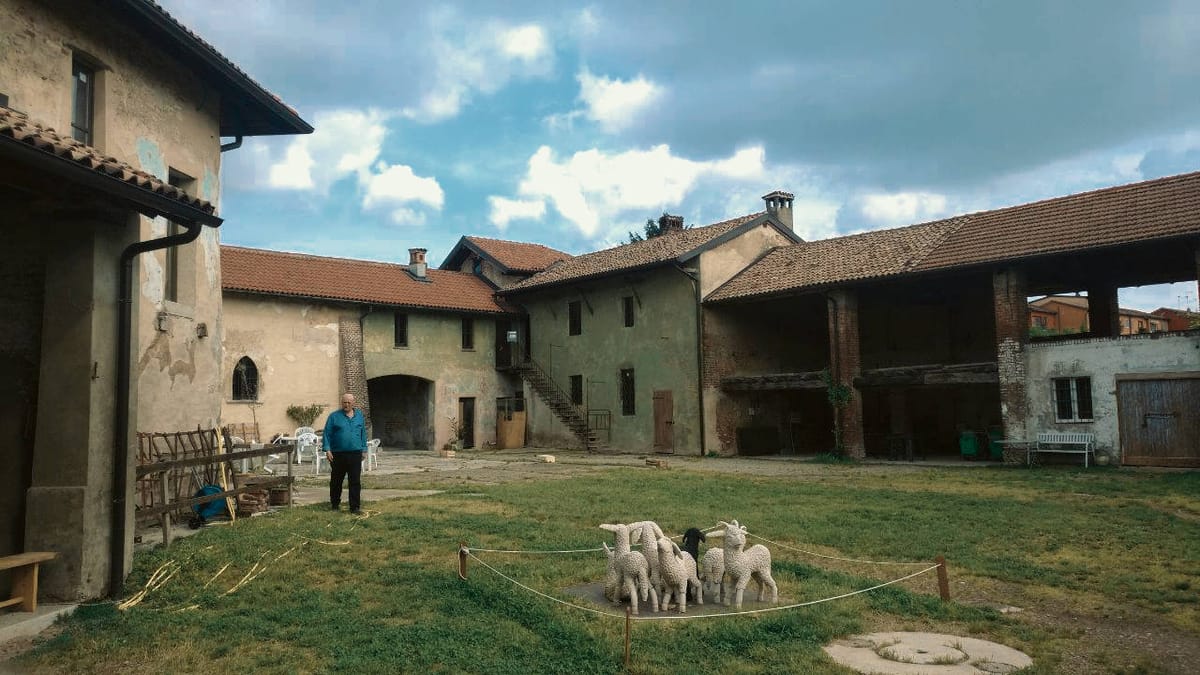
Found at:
(712, 572)
(647, 532)
(628, 572)
(741, 566)
(677, 570)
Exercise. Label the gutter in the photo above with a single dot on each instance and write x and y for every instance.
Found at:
(120, 477)
(694, 277)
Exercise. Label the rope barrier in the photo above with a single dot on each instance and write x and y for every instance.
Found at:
(577, 550)
(832, 557)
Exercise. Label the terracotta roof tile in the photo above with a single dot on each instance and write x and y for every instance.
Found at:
(830, 261)
(518, 256)
(646, 253)
(254, 270)
(16, 127)
(1155, 209)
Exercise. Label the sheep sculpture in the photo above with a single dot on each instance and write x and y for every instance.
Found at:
(628, 574)
(712, 572)
(691, 542)
(677, 571)
(647, 532)
(744, 565)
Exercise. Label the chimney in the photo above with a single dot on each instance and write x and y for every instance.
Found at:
(670, 223)
(416, 262)
(779, 206)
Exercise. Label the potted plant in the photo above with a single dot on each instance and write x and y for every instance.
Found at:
(456, 433)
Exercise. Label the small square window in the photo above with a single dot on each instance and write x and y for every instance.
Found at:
(574, 318)
(627, 308)
(1073, 399)
(83, 101)
(628, 406)
(468, 333)
(577, 389)
(400, 329)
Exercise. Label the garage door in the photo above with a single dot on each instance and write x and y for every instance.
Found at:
(1159, 418)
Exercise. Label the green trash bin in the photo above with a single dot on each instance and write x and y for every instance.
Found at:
(995, 435)
(968, 445)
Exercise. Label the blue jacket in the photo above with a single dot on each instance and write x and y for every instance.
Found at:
(345, 434)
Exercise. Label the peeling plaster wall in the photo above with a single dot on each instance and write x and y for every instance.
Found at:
(294, 345)
(154, 114)
(721, 263)
(435, 353)
(1102, 360)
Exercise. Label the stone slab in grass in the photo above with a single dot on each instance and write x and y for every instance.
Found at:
(905, 653)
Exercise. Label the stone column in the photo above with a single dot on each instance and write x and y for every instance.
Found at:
(846, 365)
(1009, 300)
(354, 370)
(1104, 316)
(68, 506)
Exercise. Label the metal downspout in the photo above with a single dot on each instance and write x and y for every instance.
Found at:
(693, 275)
(121, 425)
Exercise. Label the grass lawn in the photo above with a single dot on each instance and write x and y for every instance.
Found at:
(1086, 554)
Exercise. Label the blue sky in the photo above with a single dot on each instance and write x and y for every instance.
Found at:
(571, 124)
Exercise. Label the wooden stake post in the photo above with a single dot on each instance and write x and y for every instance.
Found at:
(943, 578)
(628, 629)
(166, 515)
(462, 560)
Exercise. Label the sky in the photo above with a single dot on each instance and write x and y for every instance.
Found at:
(569, 124)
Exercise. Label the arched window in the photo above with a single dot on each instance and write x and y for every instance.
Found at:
(245, 380)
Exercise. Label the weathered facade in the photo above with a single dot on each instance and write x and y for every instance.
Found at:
(140, 105)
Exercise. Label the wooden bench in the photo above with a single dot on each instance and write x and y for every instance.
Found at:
(1070, 442)
(24, 578)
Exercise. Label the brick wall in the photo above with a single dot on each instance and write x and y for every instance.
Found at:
(354, 371)
(846, 361)
(1009, 299)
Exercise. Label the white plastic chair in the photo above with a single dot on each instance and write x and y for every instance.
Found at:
(309, 443)
(300, 447)
(372, 454)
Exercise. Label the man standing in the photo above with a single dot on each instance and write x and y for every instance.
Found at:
(345, 446)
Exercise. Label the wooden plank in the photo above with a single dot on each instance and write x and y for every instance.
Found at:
(25, 585)
(1181, 375)
(22, 559)
(147, 469)
(12, 601)
(184, 503)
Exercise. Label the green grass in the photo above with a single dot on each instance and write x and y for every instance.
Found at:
(382, 594)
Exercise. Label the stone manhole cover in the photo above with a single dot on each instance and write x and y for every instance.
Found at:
(913, 653)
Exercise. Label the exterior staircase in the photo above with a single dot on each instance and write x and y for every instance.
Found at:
(559, 402)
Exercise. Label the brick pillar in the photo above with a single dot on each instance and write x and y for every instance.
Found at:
(846, 365)
(1009, 299)
(354, 371)
(1104, 316)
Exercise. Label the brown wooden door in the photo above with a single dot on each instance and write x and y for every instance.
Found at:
(1159, 419)
(664, 422)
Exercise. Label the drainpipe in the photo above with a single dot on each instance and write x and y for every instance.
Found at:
(121, 422)
(694, 277)
(232, 145)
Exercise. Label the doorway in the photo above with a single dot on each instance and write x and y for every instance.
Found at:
(664, 422)
(466, 419)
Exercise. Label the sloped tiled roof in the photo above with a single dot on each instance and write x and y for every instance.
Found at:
(254, 270)
(830, 261)
(16, 127)
(1154, 209)
(655, 251)
(518, 256)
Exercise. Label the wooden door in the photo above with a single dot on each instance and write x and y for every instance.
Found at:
(466, 417)
(1159, 419)
(504, 348)
(664, 422)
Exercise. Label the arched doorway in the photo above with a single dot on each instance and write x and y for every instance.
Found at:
(402, 411)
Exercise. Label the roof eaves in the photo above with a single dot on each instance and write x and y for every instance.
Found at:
(365, 301)
(586, 277)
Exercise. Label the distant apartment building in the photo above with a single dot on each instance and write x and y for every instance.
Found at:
(1069, 314)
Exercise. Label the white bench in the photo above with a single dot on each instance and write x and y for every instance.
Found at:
(1071, 442)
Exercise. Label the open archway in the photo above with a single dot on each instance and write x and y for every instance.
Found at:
(402, 411)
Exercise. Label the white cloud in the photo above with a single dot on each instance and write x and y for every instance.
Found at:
(504, 210)
(397, 186)
(616, 104)
(903, 208)
(345, 143)
(478, 57)
(593, 186)
(404, 216)
(815, 218)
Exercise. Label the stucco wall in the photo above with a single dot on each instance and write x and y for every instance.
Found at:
(660, 347)
(435, 353)
(294, 346)
(1102, 360)
(155, 115)
(721, 263)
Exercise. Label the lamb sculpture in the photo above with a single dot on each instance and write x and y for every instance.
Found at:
(628, 572)
(712, 572)
(678, 572)
(741, 565)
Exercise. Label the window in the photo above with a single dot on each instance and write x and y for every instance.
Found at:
(400, 329)
(577, 389)
(468, 333)
(83, 101)
(1039, 321)
(627, 402)
(1073, 399)
(627, 306)
(245, 380)
(174, 271)
(574, 318)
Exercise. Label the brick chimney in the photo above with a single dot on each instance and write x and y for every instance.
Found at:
(416, 262)
(669, 223)
(779, 206)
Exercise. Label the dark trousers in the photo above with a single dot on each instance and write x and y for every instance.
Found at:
(345, 464)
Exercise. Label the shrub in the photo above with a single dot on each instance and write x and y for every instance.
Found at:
(305, 415)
